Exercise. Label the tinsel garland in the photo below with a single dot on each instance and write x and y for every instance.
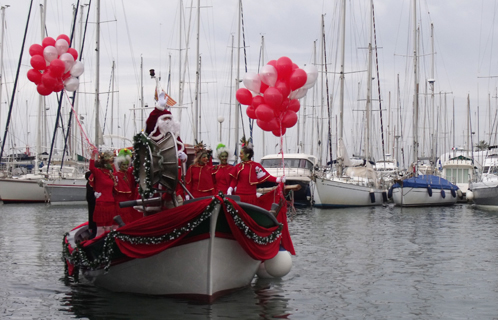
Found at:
(78, 257)
(142, 143)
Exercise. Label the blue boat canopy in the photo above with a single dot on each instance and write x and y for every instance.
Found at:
(425, 181)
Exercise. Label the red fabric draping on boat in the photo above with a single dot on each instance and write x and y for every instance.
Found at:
(253, 249)
(157, 225)
(265, 201)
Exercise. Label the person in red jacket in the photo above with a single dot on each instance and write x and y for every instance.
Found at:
(199, 177)
(222, 171)
(247, 175)
(103, 185)
(125, 187)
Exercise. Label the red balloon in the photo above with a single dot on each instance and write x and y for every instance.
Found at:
(289, 119)
(251, 112)
(283, 87)
(283, 106)
(263, 87)
(273, 97)
(65, 37)
(48, 41)
(38, 63)
(264, 113)
(284, 67)
(297, 79)
(279, 132)
(66, 76)
(256, 101)
(58, 86)
(264, 125)
(294, 66)
(294, 105)
(244, 96)
(36, 49)
(42, 90)
(73, 52)
(273, 63)
(49, 81)
(274, 125)
(57, 67)
(34, 76)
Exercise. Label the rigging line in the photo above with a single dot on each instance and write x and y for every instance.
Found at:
(58, 118)
(251, 121)
(378, 83)
(107, 103)
(15, 82)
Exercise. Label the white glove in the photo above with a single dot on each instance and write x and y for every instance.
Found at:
(229, 191)
(281, 179)
(187, 197)
(182, 156)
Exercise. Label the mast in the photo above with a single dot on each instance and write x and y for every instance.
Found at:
(97, 77)
(112, 103)
(1, 56)
(41, 99)
(237, 112)
(320, 131)
(230, 99)
(415, 82)
(431, 84)
(343, 57)
(197, 63)
(369, 89)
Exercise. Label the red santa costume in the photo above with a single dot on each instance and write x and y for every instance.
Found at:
(246, 176)
(199, 180)
(222, 171)
(102, 181)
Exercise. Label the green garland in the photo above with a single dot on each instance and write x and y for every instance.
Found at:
(141, 142)
(79, 258)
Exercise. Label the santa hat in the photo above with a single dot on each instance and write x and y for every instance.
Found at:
(124, 155)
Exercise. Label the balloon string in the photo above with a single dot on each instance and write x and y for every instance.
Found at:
(76, 116)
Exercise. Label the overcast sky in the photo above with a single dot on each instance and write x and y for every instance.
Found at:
(464, 58)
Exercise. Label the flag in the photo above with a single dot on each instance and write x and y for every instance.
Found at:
(164, 98)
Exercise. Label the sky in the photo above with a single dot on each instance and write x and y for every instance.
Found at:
(143, 35)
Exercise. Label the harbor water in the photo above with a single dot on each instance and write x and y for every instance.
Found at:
(358, 263)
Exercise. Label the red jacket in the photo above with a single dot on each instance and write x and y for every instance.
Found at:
(102, 182)
(247, 175)
(222, 176)
(199, 180)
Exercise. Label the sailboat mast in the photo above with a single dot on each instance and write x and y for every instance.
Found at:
(343, 58)
(237, 105)
(197, 63)
(41, 99)
(369, 89)
(97, 76)
(1, 55)
(415, 82)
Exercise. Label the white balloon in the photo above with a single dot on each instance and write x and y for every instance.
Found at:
(50, 53)
(252, 81)
(68, 60)
(77, 69)
(71, 84)
(312, 73)
(298, 93)
(61, 45)
(279, 265)
(268, 75)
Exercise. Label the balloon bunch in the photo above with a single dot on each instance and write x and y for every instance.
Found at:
(55, 65)
(276, 89)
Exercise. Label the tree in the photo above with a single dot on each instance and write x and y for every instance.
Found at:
(482, 145)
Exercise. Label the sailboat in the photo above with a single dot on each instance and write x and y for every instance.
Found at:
(349, 186)
(421, 190)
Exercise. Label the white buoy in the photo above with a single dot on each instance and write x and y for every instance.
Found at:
(279, 265)
(262, 273)
(469, 195)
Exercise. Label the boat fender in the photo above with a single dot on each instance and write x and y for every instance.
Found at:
(429, 191)
(460, 193)
(453, 193)
(443, 194)
(262, 273)
(390, 193)
(372, 196)
(384, 196)
(280, 265)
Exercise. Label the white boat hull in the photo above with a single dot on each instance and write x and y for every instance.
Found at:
(66, 192)
(21, 190)
(339, 194)
(419, 197)
(485, 194)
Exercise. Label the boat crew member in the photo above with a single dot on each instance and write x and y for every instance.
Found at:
(199, 177)
(103, 185)
(90, 199)
(125, 187)
(222, 171)
(247, 175)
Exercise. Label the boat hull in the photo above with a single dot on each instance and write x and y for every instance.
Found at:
(485, 194)
(420, 197)
(339, 194)
(21, 191)
(66, 192)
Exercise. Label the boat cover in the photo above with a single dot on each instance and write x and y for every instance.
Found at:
(425, 181)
